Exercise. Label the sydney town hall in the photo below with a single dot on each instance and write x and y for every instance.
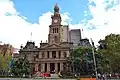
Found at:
(52, 55)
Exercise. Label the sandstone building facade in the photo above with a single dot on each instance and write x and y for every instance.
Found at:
(6, 49)
(52, 55)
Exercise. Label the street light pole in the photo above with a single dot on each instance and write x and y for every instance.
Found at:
(87, 62)
(94, 59)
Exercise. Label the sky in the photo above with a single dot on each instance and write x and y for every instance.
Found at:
(18, 18)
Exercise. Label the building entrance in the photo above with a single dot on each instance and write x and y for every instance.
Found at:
(52, 67)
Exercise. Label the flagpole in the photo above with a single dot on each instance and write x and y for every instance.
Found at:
(83, 35)
(31, 37)
(94, 60)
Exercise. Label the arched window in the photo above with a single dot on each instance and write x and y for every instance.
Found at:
(57, 30)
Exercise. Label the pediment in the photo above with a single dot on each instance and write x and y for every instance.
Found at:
(53, 46)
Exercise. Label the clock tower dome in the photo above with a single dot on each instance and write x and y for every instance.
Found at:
(56, 18)
(55, 27)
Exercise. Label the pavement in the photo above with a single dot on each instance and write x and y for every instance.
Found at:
(32, 79)
(43, 79)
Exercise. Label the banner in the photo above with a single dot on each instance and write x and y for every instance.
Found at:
(87, 78)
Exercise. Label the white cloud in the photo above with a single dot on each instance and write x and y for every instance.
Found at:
(16, 30)
(106, 17)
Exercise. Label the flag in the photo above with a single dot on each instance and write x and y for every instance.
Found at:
(12, 59)
(11, 62)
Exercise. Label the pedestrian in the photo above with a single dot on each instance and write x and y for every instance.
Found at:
(110, 75)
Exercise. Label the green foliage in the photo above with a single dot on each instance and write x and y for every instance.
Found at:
(111, 53)
(78, 60)
(4, 61)
(20, 68)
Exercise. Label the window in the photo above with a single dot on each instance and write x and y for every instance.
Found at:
(58, 67)
(43, 55)
(64, 66)
(57, 30)
(39, 67)
(45, 67)
(25, 56)
(56, 39)
(33, 69)
(47, 54)
(65, 54)
(37, 56)
(59, 54)
(34, 58)
(53, 54)
(53, 30)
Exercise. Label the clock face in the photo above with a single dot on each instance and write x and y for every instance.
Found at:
(55, 20)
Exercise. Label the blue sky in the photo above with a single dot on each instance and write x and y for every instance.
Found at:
(18, 18)
(32, 9)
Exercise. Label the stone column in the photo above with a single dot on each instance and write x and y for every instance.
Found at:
(36, 67)
(45, 54)
(50, 54)
(48, 67)
(56, 67)
(40, 55)
(43, 67)
(57, 54)
(61, 66)
(62, 54)
(68, 54)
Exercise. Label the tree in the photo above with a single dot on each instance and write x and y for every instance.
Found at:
(20, 67)
(4, 62)
(81, 60)
(110, 52)
(5, 57)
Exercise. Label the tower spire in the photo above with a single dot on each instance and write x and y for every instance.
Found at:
(56, 8)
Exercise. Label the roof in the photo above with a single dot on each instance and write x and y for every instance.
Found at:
(75, 30)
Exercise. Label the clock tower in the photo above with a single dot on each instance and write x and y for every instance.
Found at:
(55, 27)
